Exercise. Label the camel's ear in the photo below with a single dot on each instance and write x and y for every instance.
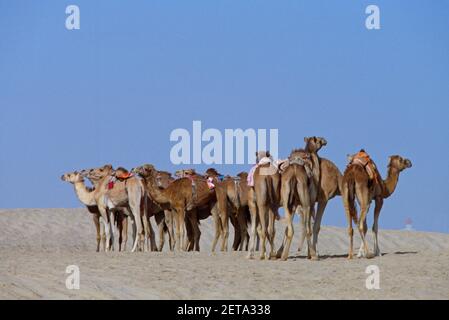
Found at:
(306, 139)
(108, 166)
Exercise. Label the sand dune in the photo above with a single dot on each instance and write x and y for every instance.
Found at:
(36, 246)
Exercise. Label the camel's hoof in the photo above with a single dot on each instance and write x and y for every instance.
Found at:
(349, 257)
(315, 258)
(249, 257)
(369, 255)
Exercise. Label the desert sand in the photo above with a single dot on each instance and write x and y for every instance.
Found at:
(36, 246)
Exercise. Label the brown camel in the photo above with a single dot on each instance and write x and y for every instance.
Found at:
(232, 204)
(356, 183)
(298, 190)
(126, 194)
(267, 198)
(184, 195)
(327, 179)
(163, 217)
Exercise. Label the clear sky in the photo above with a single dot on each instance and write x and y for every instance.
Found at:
(113, 91)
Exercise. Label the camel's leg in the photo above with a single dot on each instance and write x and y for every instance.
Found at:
(272, 213)
(139, 230)
(218, 229)
(302, 236)
(180, 225)
(168, 216)
(308, 220)
(124, 231)
(289, 231)
(243, 228)
(161, 227)
(149, 234)
(361, 252)
(107, 226)
(103, 233)
(317, 224)
(263, 215)
(253, 234)
(96, 219)
(119, 219)
(350, 211)
(225, 228)
(196, 230)
(114, 232)
(133, 227)
(237, 236)
(377, 208)
(189, 238)
(363, 197)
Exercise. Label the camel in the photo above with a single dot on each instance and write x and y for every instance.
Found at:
(298, 191)
(356, 184)
(85, 195)
(184, 196)
(267, 199)
(327, 178)
(164, 218)
(127, 194)
(232, 196)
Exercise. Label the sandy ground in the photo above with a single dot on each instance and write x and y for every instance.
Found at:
(36, 246)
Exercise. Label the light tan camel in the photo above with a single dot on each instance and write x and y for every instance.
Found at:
(327, 179)
(232, 204)
(85, 195)
(298, 190)
(267, 198)
(356, 184)
(184, 196)
(127, 194)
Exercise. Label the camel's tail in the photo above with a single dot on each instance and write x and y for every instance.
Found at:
(292, 193)
(350, 195)
(272, 198)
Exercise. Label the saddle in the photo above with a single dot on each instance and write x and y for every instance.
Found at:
(300, 158)
(122, 174)
(363, 159)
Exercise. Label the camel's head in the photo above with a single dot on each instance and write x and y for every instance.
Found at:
(72, 177)
(99, 173)
(163, 179)
(144, 171)
(242, 175)
(313, 144)
(185, 172)
(262, 154)
(211, 173)
(399, 163)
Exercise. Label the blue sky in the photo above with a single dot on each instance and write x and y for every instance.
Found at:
(113, 91)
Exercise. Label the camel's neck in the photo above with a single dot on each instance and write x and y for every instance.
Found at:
(316, 164)
(391, 182)
(84, 194)
(156, 194)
